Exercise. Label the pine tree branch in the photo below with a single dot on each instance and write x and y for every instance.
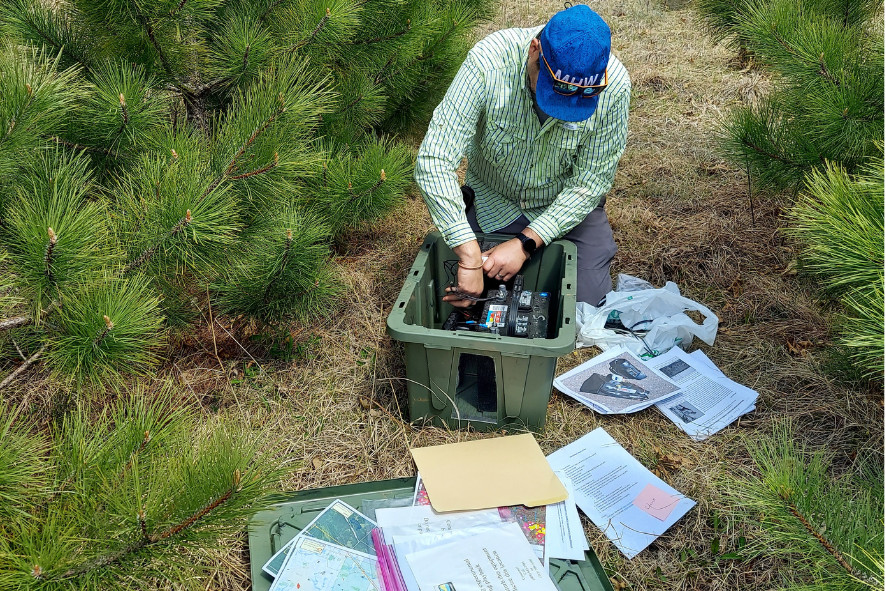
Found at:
(145, 441)
(419, 58)
(147, 539)
(749, 144)
(147, 254)
(58, 45)
(178, 8)
(822, 68)
(377, 79)
(12, 121)
(352, 104)
(232, 163)
(258, 171)
(313, 34)
(821, 539)
(11, 377)
(199, 514)
(149, 29)
(75, 146)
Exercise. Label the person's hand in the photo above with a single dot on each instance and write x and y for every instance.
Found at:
(505, 260)
(470, 282)
(469, 279)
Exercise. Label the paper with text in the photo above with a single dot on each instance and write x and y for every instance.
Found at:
(607, 479)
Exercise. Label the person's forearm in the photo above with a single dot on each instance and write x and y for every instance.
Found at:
(469, 254)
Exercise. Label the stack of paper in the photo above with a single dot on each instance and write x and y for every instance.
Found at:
(707, 400)
(688, 388)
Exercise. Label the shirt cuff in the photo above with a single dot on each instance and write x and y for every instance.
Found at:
(546, 229)
(458, 234)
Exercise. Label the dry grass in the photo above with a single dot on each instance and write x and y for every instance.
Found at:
(334, 413)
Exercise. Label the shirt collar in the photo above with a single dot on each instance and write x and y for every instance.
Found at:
(524, 53)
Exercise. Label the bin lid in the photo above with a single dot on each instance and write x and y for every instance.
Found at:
(270, 529)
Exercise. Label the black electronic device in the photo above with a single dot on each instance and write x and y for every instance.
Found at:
(514, 312)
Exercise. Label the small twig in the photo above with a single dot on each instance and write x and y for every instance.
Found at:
(419, 58)
(232, 163)
(212, 330)
(11, 377)
(141, 522)
(17, 348)
(314, 33)
(145, 441)
(240, 345)
(199, 514)
(188, 384)
(352, 104)
(821, 540)
(150, 31)
(16, 322)
(378, 77)
(178, 8)
(79, 147)
(267, 10)
(47, 255)
(258, 171)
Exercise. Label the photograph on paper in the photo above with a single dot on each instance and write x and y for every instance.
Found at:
(616, 381)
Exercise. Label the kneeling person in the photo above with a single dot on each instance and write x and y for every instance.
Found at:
(542, 116)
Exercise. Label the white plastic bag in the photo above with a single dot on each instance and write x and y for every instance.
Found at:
(659, 313)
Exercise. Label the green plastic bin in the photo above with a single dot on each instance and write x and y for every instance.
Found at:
(442, 383)
(270, 530)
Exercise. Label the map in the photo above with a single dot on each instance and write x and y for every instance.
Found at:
(340, 524)
(314, 565)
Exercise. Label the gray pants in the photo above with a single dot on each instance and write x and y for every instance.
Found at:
(595, 245)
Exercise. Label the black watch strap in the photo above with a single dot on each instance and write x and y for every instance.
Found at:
(528, 243)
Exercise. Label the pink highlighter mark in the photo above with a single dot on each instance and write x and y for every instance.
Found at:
(656, 502)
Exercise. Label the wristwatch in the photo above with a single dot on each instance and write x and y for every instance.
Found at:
(528, 243)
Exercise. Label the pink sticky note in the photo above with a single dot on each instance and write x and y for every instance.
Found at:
(656, 502)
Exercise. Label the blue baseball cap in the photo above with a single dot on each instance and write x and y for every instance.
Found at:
(576, 44)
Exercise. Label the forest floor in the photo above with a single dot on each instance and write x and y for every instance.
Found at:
(333, 406)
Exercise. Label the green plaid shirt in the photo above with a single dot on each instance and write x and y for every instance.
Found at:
(554, 173)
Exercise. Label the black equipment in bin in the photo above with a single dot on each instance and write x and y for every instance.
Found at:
(512, 313)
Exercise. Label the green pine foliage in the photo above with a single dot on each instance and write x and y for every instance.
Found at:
(829, 526)
(124, 500)
(36, 98)
(284, 274)
(827, 58)
(352, 189)
(839, 223)
(177, 139)
(56, 236)
(111, 328)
